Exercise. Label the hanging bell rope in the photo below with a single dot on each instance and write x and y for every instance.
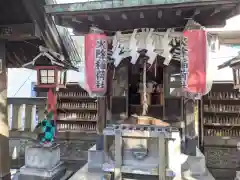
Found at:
(145, 105)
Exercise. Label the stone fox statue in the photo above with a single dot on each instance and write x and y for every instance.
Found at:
(47, 131)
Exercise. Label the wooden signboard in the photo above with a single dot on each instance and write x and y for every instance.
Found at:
(19, 32)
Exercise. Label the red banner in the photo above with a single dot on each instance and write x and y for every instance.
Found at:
(196, 60)
(96, 63)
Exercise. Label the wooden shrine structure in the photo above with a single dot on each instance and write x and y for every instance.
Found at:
(143, 14)
(26, 24)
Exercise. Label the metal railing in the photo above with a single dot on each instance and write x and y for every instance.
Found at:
(24, 112)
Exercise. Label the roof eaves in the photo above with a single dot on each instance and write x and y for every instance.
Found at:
(230, 62)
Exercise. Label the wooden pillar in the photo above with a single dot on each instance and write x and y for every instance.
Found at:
(102, 110)
(200, 125)
(190, 134)
(197, 121)
(118, 90)
(4, 131)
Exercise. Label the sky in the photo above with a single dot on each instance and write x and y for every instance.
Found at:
(19, 79)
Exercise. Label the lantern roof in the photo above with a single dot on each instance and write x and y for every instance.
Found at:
(231, 63)
(48, 57)
(125, 15)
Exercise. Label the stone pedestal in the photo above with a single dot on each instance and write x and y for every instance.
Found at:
(237, 175)
(42, 163)
(42, 157)
(192, 167)
(95, 159)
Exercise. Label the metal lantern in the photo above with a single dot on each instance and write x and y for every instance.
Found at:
(96, 62)
(50, 77)
(51, 70)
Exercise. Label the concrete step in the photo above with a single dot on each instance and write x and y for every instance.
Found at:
(196, 165)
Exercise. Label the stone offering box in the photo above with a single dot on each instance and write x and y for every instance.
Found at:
(42, 162)
(142, 149)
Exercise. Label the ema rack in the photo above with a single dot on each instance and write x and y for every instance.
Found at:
(143, 150)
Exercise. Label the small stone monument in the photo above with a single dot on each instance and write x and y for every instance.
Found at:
(42, 163)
